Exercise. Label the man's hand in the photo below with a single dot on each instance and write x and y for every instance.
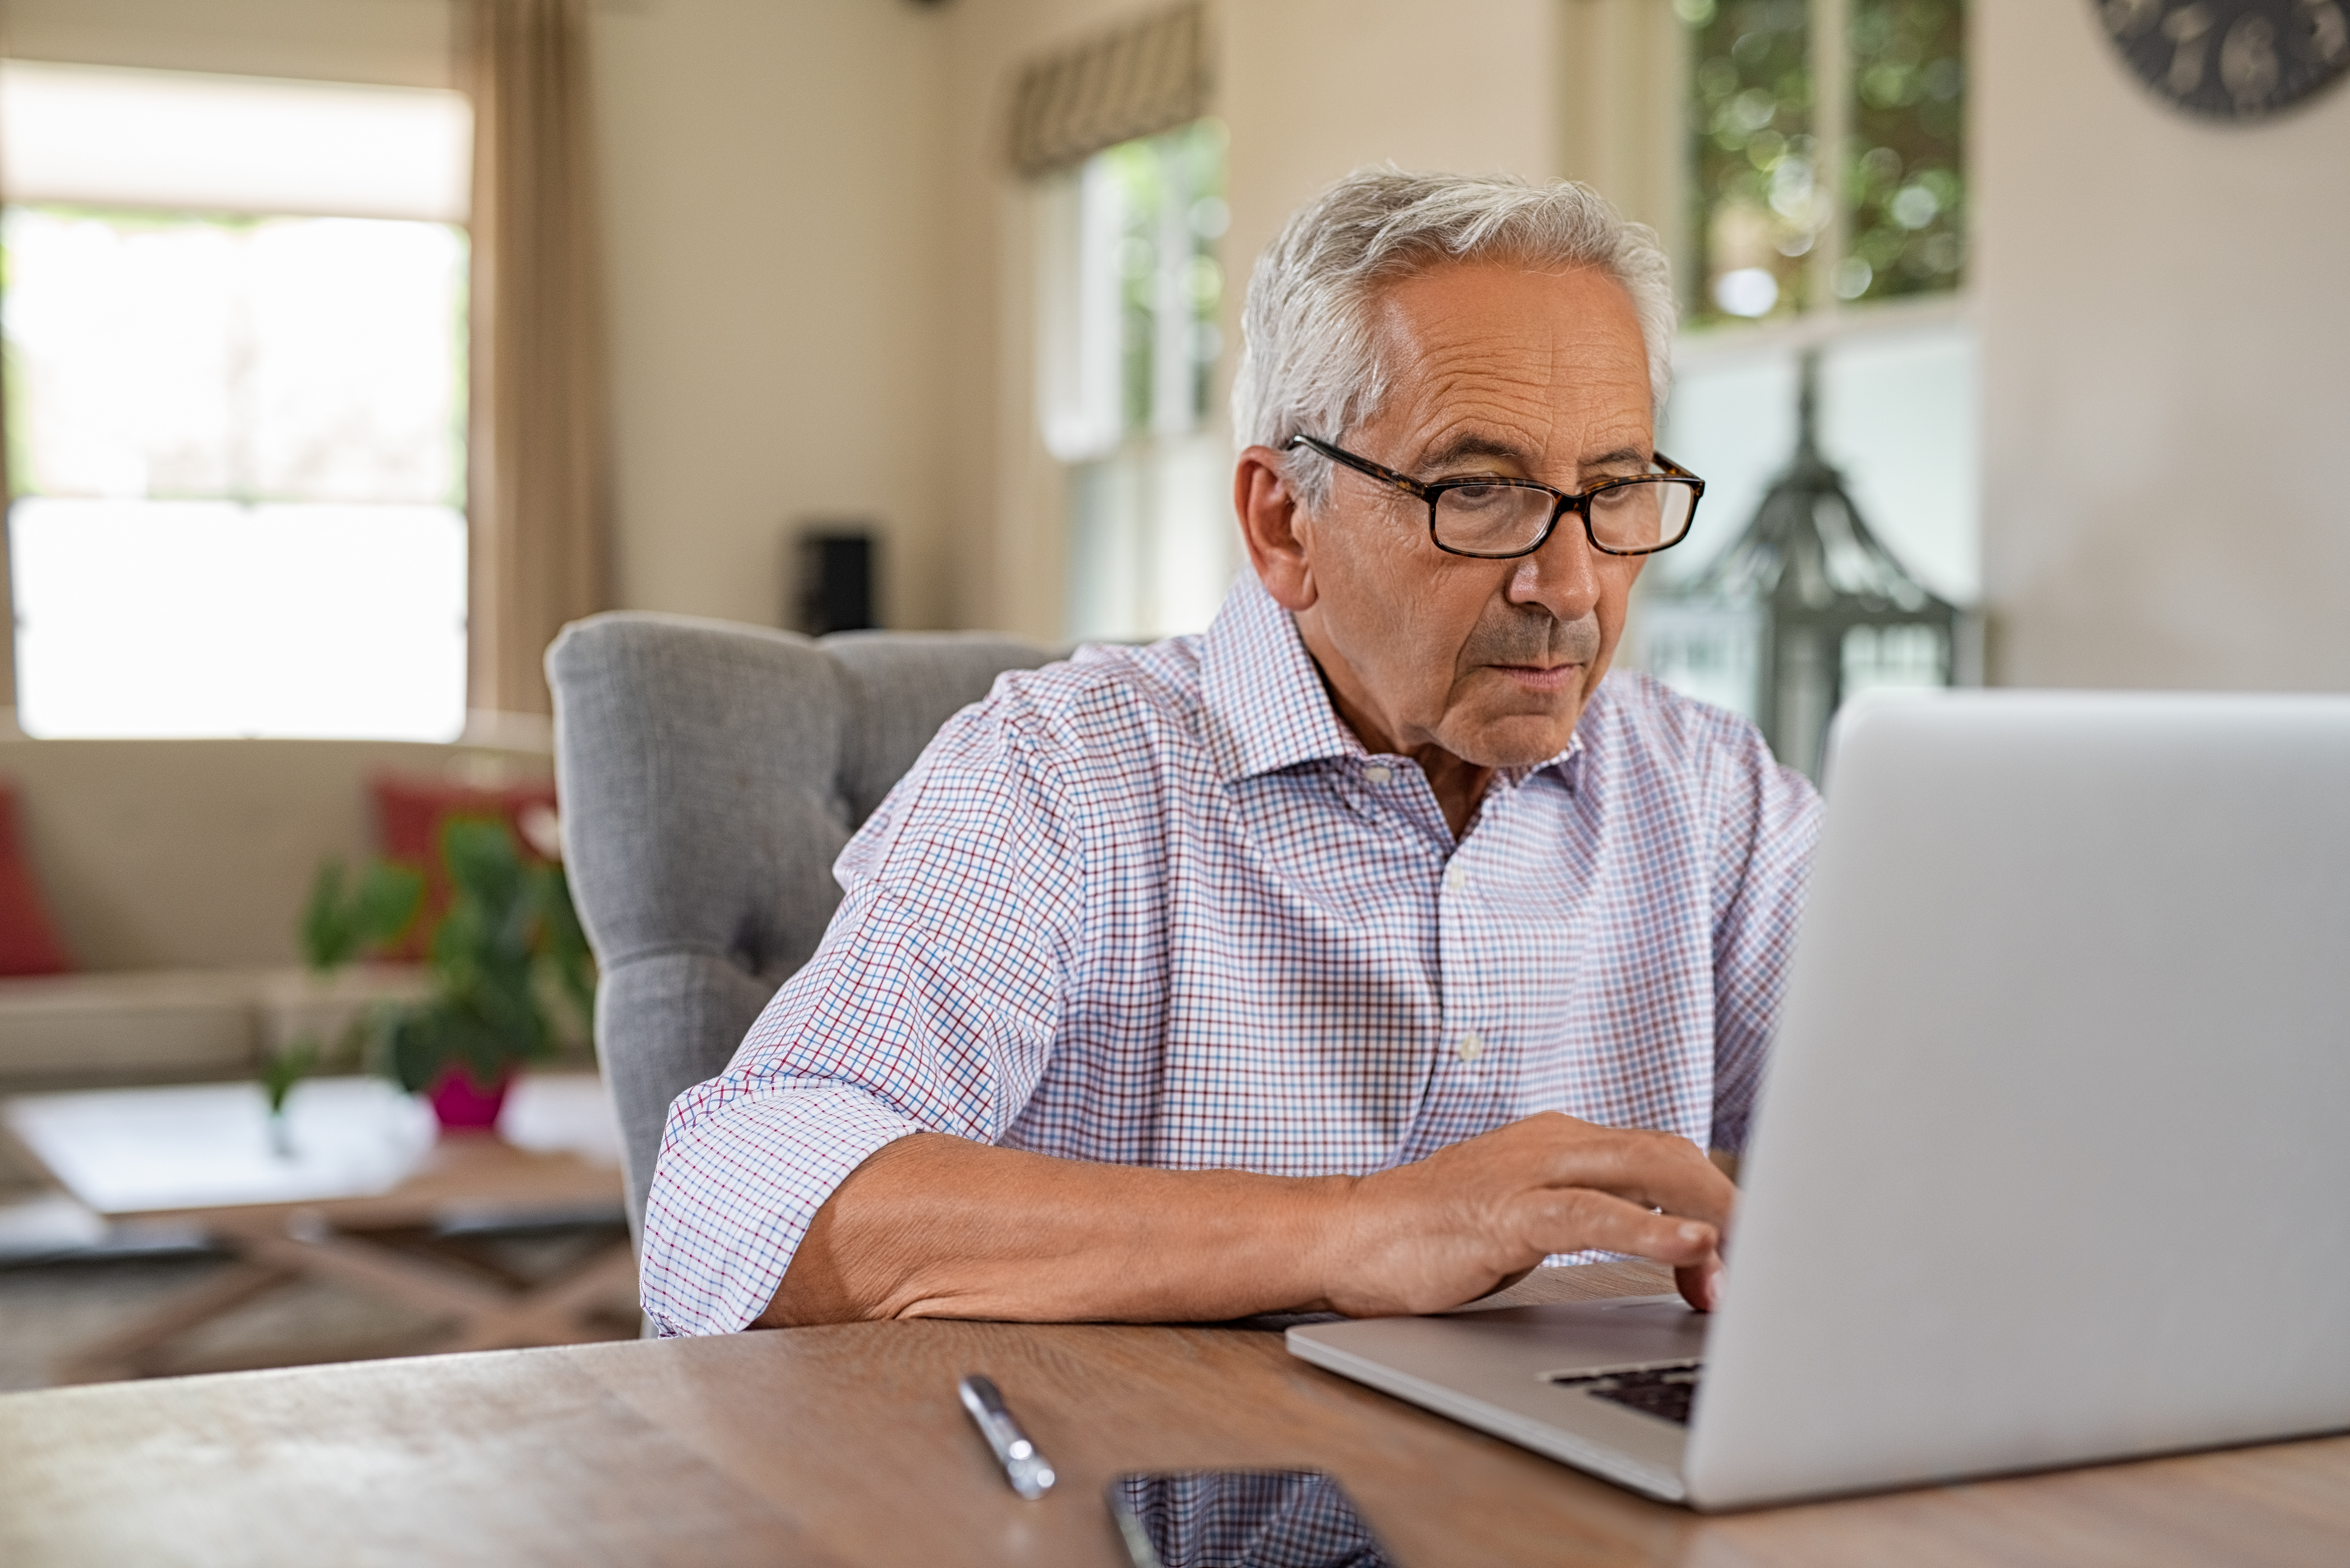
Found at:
(940, 1227)
(1472, 1216)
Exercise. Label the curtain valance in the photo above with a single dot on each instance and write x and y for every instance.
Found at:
(1147, 76)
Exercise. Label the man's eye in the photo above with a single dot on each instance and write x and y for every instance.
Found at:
(1478, 497)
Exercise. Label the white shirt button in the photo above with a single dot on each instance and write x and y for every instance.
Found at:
(1456, 877)
(1471, 1046)
(1378, 772)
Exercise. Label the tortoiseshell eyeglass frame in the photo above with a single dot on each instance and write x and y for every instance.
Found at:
(1580, 504)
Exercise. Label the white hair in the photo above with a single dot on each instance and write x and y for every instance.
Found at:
(1309, 365)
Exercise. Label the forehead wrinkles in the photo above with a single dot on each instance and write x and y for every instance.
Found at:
(1456, 367)
(1447, 372)
(1453, 432)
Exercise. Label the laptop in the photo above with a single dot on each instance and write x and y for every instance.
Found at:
(2052, 1163)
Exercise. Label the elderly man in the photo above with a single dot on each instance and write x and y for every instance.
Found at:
(1358, 954)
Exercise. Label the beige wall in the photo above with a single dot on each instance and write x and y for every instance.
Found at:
(777, 258)
(1309, 90)
(1314, 88)
(2166, 314)
(1621, 74)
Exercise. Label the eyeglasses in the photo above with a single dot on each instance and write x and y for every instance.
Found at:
(1493, 518)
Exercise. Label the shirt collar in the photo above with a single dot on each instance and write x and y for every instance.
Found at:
(1267, 708)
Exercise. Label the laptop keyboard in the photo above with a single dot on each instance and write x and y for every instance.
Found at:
(1665, 1392)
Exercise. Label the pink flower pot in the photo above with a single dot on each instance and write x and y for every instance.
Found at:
(464, 1105)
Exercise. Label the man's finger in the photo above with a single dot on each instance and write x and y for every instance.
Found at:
(1655, 1170)
(1580, 1218)
(1701, 1285)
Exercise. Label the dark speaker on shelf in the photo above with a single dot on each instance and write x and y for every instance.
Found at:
(834, 573)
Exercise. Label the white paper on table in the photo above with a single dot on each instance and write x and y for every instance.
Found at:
(129, 1152)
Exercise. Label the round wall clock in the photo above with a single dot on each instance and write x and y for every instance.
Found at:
(2232, 59)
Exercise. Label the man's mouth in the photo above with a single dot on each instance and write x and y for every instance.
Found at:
(1541, 677)
(1535, 652)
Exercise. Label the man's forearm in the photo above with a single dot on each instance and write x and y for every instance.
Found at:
(938, 1227)
(932, 1226)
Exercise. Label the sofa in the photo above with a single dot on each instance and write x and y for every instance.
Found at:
(174, 872)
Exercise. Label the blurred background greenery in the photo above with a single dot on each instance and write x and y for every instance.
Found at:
(1766, 193)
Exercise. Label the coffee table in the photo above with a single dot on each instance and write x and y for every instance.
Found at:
(353, 1157)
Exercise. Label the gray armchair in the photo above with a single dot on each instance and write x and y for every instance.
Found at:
(710, 773)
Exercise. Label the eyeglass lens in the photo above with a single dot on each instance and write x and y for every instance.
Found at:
(1506, 519)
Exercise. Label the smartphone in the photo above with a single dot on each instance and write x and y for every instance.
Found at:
(1236, 1518)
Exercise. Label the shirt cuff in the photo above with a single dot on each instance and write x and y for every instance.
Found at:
(736, 1190)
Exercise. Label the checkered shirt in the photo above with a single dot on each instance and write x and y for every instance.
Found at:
(1263, 1518)
(1157, 906)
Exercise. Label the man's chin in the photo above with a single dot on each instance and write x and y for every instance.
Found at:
(1512, 740)
(1500, 719)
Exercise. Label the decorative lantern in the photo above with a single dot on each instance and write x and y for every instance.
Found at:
(1804, 610)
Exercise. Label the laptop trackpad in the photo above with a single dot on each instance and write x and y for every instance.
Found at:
(1581, 1336)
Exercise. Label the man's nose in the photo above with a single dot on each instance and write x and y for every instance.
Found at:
(1562, 576)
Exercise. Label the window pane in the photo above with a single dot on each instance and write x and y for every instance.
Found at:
(358, 383)
(281, 358)
(1127, 347)
(1760, 206)
(122, 336)
(1905, 182)
(1732, 423)
(191, 618)
(1151, 542)
(1897, 418)
(1765, 209)
(239, 454)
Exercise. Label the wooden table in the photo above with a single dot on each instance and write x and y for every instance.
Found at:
(352, 1159)
(845, 1446)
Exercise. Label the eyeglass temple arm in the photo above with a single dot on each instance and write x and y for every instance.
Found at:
(1675, 471)
(1362, 465)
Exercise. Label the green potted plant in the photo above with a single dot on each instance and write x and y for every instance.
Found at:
(338, 926)
(508, 963)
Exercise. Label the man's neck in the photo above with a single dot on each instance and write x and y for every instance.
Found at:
(1459, 784)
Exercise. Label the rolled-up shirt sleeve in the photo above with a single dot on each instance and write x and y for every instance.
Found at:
(931, 1005)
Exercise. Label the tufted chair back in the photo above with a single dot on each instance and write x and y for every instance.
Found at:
(710, 773)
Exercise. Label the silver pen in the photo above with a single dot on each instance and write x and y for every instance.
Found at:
(1028, 1471)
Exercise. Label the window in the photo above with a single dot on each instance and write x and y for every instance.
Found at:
(1129, 345)
(234, 340)
(1860, 257)
(1779, 225)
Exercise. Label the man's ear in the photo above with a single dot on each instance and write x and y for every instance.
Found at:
(1271, 522)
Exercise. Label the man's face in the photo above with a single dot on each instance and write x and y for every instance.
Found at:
(1495, 370)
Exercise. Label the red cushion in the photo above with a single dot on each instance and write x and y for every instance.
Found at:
(408, 815)
(28, 942)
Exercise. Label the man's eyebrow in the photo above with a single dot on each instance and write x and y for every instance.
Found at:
(1468, 446)
(1622, 454)
(1463, 447)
